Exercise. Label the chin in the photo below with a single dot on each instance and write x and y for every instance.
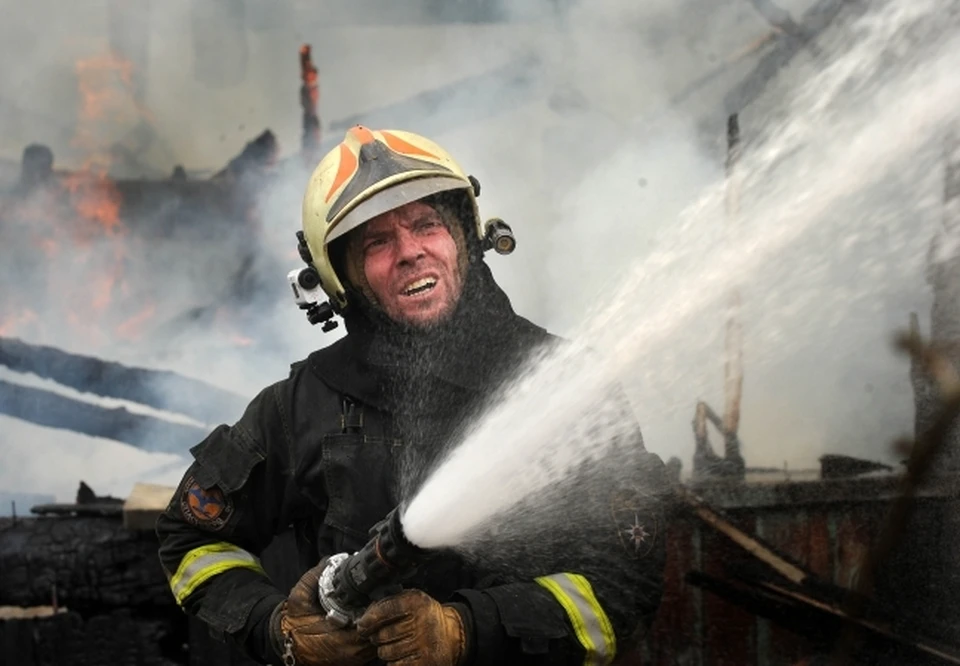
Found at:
(425, 322)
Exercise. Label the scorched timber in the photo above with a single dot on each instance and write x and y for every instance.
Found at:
(159, 389)
(52, 410)
(81, 563)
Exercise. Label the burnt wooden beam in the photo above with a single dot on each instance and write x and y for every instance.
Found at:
(258, 155)
(706, 463)
(53, 410)
(160, 389)
(309, 101)
(733, 339)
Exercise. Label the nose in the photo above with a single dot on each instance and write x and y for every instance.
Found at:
(409, 247)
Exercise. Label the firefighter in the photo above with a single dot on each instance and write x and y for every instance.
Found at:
(392, 229)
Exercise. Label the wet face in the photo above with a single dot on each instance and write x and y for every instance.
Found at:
(410, 263)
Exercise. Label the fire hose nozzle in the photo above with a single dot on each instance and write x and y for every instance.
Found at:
(349, 583)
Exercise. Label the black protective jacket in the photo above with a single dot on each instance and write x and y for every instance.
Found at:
(330, 450)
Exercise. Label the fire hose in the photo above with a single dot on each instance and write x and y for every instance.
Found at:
(350, 583)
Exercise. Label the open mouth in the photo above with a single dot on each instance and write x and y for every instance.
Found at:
(420, 286)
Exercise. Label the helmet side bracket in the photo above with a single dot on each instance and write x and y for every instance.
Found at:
(308, 290)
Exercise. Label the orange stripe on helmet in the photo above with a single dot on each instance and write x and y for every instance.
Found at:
(405, 147)
(348, 167)
(362, 134)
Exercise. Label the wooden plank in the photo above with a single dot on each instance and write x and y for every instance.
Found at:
(145, 504)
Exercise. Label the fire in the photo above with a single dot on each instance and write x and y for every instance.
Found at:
(107, 101)
(88, 239)
(105, 90)
(95, 198)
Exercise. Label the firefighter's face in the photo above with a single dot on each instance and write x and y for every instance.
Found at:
(410, 263)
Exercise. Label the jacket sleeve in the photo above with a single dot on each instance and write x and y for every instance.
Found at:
(602, 585)
(218, 522)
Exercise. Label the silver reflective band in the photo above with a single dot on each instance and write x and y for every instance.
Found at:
(203, 563)
(591, 624)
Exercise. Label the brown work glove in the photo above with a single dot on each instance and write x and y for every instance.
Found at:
(299, 628)
(413, 628)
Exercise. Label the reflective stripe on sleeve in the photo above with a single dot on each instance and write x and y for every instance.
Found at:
(591, 624)
(203, 563)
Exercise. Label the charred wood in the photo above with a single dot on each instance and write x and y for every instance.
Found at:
(943, 275)
(924, 452)
(822, 622)
(837, 466)
(309, 99)
(260, 153)
(706, 463)
(88, 504)
(87, 564)
(36, 167)
(160, 389)
(53, 410)
(103, 596)
(119, 637)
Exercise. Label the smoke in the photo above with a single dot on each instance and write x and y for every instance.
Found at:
(566, 112)
(819, 226)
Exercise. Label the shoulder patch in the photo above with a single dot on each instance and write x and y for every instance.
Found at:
(207, 508)
(635, 522)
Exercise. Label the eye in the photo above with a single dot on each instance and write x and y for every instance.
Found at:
(373, 244)
(427, 224)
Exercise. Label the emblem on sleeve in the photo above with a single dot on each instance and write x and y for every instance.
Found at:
(636, 526)
(205, 507)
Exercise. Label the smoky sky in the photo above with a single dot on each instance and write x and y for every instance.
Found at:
(591, 126)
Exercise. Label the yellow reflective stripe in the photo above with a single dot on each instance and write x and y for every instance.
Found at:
(590, 623)
(203, 563)
(606, 629)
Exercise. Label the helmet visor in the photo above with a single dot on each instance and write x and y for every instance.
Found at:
(394, 197)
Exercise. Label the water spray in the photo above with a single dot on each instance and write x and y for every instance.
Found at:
(349, 583)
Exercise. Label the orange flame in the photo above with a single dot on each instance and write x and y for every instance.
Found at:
(105, 87)
(95, 197)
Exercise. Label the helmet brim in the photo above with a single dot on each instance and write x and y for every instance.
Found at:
(394, 197)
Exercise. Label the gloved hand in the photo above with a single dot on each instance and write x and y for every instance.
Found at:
(299, 629)
(414, 628)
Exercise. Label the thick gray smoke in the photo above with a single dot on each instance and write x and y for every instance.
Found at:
(818, 230)
(591, 126)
